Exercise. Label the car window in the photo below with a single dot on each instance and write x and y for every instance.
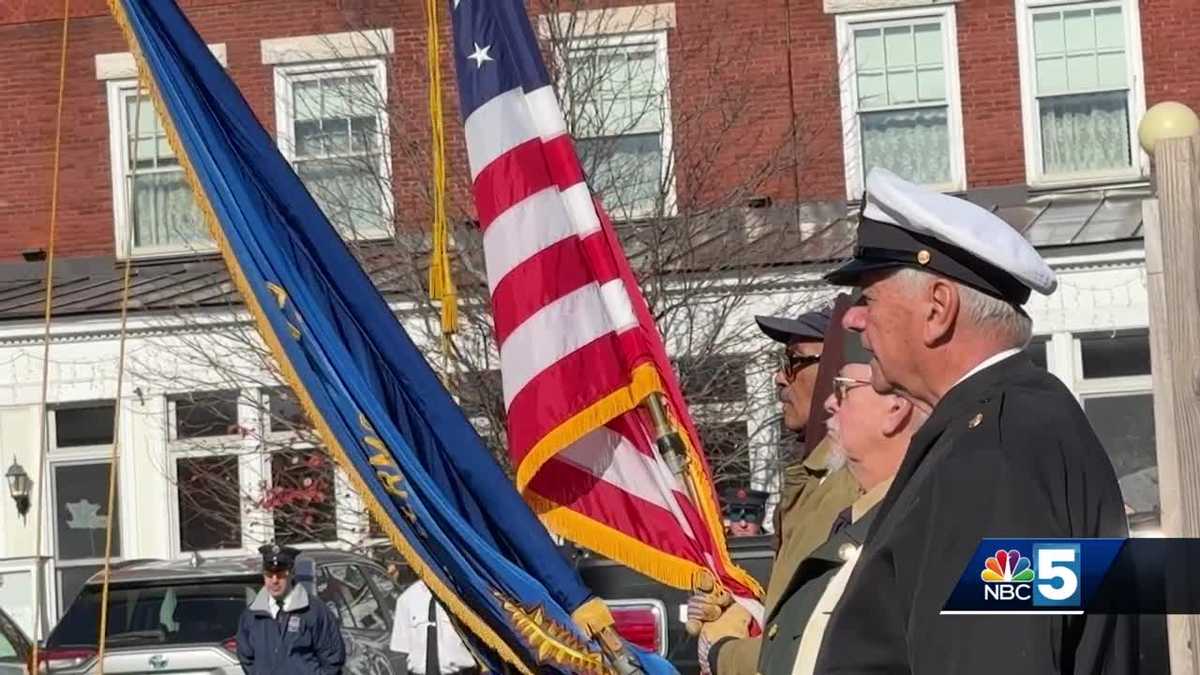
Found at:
(388, 590)
(7, 651)
(156, 614)
(332, 594)
(362, 606)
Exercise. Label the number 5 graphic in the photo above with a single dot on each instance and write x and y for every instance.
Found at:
(1057, 568)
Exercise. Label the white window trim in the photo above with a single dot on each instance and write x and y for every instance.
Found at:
(843, 6)
(328, 47)
(118, 148)
(659, 39)
(121, 65)
(609, 21)
(847, 74)
(1031, 122)
(287, 72)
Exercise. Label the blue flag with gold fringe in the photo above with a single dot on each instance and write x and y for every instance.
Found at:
(379, 407)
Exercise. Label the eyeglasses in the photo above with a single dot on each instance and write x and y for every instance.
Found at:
(791, 363)
(842, 385)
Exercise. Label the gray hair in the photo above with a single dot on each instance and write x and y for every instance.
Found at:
(1006, 322)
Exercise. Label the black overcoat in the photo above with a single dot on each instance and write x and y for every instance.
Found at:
(1006, 453)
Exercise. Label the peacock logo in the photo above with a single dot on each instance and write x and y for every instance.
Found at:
(1007, 567)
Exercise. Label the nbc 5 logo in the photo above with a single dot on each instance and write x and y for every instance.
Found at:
(1057, 568)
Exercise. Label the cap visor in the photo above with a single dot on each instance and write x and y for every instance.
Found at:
(851, 273)
(784, 330)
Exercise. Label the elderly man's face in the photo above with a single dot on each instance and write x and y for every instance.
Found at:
(796, 381)
(889, 319)
(856, 412)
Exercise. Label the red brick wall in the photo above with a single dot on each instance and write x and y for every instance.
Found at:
(732, 104)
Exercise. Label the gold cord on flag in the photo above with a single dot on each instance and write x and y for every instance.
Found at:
(441, 285)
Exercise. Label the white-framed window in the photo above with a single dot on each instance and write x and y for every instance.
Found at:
(615, 90)
(154, 210)
(332, 126)
(304, 486)
(1082, 90)
(80, 450)
(207, 464)
(901, 108)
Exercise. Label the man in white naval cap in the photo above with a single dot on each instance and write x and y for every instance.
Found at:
(1006, 452)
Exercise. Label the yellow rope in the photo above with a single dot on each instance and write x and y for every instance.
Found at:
(39, 479)
(112, 465)
(441, 285)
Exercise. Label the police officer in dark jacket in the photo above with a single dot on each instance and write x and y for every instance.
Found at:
(1006, 452)
(285, 631)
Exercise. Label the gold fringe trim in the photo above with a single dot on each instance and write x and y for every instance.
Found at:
(644, 381)
(448, 598)
(614, 544)
(543, 632)
(605, 540)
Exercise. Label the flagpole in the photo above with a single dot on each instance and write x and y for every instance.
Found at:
(674, 452)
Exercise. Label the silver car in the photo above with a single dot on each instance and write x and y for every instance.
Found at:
(182, 616)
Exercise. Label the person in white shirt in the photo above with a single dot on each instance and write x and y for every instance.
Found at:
(418, 615)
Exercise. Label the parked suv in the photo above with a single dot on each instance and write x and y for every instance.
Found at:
(182, 615)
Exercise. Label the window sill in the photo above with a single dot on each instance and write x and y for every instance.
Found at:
(847, 6)
(1087, 180)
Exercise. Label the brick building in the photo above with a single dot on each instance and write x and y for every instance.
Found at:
(765, 112)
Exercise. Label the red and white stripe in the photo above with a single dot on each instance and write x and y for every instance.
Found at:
(567, 330)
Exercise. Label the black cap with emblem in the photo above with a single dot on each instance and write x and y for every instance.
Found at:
(276, 558)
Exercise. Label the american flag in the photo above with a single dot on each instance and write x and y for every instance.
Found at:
(579, 350)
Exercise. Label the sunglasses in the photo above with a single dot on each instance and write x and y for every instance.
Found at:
(791, 363)
(842, 386)
(743, 513)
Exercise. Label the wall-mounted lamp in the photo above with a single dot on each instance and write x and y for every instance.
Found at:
(19, 486)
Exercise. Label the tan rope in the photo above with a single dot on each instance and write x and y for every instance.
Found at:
(39, 472)
(112, 466)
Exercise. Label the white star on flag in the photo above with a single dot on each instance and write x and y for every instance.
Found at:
(480, 55)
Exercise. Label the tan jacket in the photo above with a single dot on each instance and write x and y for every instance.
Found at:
(810, 501)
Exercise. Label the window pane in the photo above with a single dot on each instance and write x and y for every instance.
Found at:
(727, 446)
(166, 211)
(913, 143)
(1110, 28)
(1115, 355)
(81, 511)
(284, 411)
(364, 609)
(1048, 34)
(210, 503)
(70, 582)
(384, 584)
(1125, 425)
(83, 426)
(301, 497)
(868, 49)
(349, 192)
(625, 170)
(1051, 74)
(899, 47)
(210, 413)
(1085, 132)
(1079, 30)
(928, 39)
